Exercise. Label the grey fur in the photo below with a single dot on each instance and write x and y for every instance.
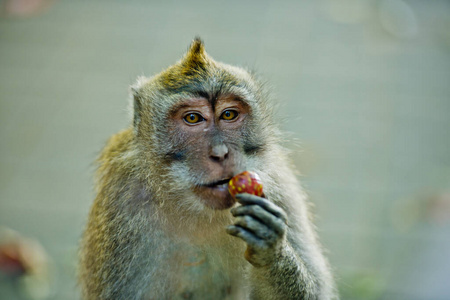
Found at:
(150, 237)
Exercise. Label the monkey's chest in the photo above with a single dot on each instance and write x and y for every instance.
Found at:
(206, 277)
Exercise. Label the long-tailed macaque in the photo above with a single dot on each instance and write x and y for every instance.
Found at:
(163, 225)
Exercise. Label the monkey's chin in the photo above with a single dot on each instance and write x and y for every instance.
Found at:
(216, 197)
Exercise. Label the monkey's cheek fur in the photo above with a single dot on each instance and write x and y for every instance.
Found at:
(215, 197)
(246, 182)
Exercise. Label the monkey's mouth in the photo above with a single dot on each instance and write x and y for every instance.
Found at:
(219, 183)
(216, 195)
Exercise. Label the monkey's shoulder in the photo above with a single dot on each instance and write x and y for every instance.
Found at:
(116, 165)
(118, 144)
(118, 152)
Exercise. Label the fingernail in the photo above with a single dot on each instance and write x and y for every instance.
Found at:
(229, 228)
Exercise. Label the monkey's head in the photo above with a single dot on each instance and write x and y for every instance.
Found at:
(197, 124)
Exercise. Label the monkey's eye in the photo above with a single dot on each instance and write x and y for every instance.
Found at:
(193, 118)
(229, 115)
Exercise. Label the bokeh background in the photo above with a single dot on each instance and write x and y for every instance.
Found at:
(363, 89)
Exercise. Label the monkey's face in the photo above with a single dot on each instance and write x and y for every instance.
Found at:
(206, 139)
(198, 124)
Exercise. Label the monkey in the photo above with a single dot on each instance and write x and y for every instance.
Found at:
(163, 224)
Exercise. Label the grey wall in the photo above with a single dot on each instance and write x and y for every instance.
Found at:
(363, 87)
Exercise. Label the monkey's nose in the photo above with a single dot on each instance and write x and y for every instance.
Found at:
(219, 152)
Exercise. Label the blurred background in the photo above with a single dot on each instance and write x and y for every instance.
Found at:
(363, 89)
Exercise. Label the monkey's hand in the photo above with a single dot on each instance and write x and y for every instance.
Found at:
(262, 225)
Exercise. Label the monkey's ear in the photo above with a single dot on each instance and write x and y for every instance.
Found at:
(136, 105)
(136, 101)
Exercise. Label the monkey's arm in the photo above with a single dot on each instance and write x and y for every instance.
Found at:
(112, 262)
(279, 271)
(120, 247)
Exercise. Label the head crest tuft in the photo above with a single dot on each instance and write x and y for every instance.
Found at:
(196, 52)
(197, 47)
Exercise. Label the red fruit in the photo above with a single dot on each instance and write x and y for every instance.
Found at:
(245, 182)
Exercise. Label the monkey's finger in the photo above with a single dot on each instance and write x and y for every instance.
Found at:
(256, 227)
(245, 235)
(256, 211)
(247, 199)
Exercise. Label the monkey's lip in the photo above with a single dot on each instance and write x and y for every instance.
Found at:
(218, 183)
(215, 194)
